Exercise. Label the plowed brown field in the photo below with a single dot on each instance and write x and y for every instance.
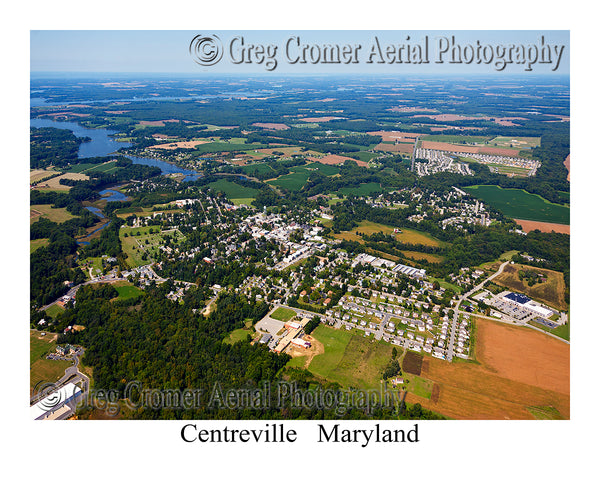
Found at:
(518, 368)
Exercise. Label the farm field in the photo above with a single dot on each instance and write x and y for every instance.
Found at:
(233, 190)
(57, 215)
(529, 226)
(516, 203)
(551, 292)
(430, 257)
(54, 183)
(292, 181)
(499, 386)
(37, 243)
(39, 174)
(40, 369)
(406, 236)
(362, 189)
(350, 359)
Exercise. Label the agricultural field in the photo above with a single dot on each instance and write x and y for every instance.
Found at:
(37, 243)
(529, 226)
(516, 203)
(406, 235)
(42, 370)
(496, 386)
(292, 181)
(362, 189)
(57, 215)
(350, 359)
(54, 183)
(233, 190)
(39, 174)
(520, 143)
(550, 292)
(412, 363)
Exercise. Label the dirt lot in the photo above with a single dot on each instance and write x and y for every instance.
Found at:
(337, 160)
(399, 147)
(393, 136)
(316, 348)
(550, 292)
(174, 145)
(518, 368)
(271, 126)
(530, 225)
(318, 119)
(567, 164)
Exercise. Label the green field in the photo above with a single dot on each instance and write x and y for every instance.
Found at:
(292, 181)
(135, 245)
(126, 290)
(283, 314)
(54, 310)
(350, 359)
(37, 243)
(362, 189)
(106, 167)
(233, 190)
(516, 203)
(253, 168)
(459, 139)
(238, 335)
(40, 369)
(215, 147)
(58, 215)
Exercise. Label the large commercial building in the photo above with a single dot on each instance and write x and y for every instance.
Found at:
(58, 405)
(525, 302)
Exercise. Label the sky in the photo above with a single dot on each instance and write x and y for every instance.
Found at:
(165, 51)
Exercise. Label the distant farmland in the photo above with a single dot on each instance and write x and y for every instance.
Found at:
(233, 190)
(517, 203)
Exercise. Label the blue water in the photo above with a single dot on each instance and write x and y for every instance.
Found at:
(98, 212)
(101, 144)
(165, 168)
(114, 196)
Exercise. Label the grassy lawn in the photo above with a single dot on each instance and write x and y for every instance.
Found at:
(40, 369)
(292, 181)
(135, 245)
(238, 335)
(58, 215)
(283, 314)
(126, 290)
(517, 203)
(350, 359)
(54, 310)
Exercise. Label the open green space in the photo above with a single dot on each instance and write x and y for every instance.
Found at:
(459, 139)
(58, 215)
(40, 369)
(419, 386)
(292, 181)
(37, 243)
(54, 310)
(233, 190)
(238, 335)
(350, 359)
(126, 290)
(139, 241)
(253, 168)
(283, 314)
(517, 203)
(362, 189)
(215, 147)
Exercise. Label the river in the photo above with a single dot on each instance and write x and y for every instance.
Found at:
(102, 144)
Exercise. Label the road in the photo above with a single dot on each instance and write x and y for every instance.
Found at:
(452, 339)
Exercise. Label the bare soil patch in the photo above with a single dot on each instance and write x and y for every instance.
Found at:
(567, 163)
(174, 145)
(397, 147)
(271, 126)
(337, 160)
(412, 363)
(530, 225)
(519, 368)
